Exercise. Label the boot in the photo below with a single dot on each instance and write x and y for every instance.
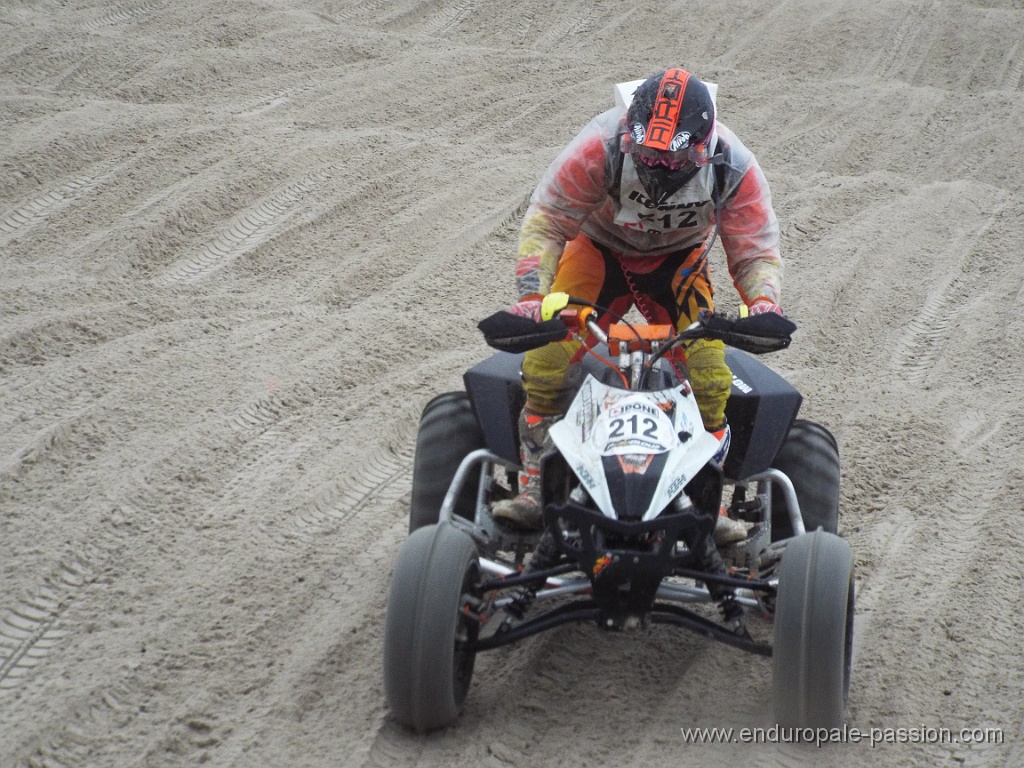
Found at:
(524, 511)
(723, 434)
(727, 530)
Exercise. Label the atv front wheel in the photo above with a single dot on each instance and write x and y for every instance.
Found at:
(813, 644)
(428, 639)
(809, 456)
(448, 432)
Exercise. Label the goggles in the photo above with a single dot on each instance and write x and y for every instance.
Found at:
(692, 155)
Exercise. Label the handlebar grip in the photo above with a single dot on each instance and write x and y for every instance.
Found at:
(552, 304)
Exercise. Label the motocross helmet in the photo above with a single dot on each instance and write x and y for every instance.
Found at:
(671, 131)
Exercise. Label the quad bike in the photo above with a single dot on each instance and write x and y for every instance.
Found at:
(630, 498)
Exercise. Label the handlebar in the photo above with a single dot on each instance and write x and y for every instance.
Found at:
(757, 334)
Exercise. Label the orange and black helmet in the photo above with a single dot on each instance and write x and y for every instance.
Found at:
(671, 130)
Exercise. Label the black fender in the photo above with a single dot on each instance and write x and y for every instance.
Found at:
(761, 408)
(497, 395)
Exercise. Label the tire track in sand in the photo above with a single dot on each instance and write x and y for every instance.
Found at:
(34, 212)
(33, 628)
(572, 23)
(250, 229)
(1014, 78)
(924, 340)
(122, 15)
(902, 42)
(439, 23)
(924, 546)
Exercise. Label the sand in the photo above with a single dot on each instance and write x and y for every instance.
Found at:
(243, 243)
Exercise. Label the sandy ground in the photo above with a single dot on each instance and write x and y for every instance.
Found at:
(243, 243)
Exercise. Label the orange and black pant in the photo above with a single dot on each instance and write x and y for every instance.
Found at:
(667, 289)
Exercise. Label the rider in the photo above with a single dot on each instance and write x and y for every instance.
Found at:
(626, 214)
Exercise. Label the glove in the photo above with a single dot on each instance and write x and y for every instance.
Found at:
(528, 308)
(762, 305)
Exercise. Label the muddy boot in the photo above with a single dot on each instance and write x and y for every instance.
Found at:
(723, 434)
(729, 531)
(524, 511)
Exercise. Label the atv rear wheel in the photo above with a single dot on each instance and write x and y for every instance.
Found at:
(428, 640)
(809, 456)
(813, 644)
(448, 432)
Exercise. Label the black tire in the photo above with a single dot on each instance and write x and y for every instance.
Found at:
(428, 661)
(813, 645)
(448, 432)
(809, 456)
